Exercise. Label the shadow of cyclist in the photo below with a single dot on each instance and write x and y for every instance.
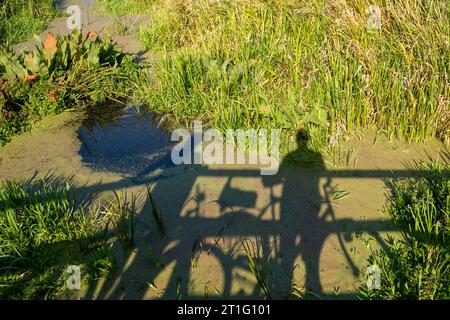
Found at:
(306, 216)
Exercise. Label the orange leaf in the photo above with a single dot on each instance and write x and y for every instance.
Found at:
(91, 34)
(51, 96)
(50, 43)
(31, 78)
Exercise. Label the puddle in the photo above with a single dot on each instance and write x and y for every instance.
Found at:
(124, 140)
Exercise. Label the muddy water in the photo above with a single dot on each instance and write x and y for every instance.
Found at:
(209, 210)
(124, 140)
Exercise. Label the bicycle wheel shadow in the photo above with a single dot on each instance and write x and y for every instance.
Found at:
(202, 253)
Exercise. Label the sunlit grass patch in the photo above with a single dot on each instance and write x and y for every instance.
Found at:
(291, 64)
(417, 266)
(122, 7)
(21, 19)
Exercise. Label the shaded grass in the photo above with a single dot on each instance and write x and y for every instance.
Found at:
(258, 264)
(122, 213)
(43, 230)
(156, 214)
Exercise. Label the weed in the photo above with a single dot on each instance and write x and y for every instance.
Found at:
(60, 73)
(257, 263)
(335, 193)
(156, 214)
(121, 213)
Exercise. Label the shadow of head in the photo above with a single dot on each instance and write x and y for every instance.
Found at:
(305, 153)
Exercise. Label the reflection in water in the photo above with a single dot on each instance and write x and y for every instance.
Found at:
(124, 140)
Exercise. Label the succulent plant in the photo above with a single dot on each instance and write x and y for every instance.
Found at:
(11, 68)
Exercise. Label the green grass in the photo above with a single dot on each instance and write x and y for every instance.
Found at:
(416, 266)
(262, 265)
(258, 263)
(295, 64)
(43, 230)
(122, 214)
(123, 7)
(21, 19)
(156, 214)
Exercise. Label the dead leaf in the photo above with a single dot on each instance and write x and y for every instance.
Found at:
(51, 96)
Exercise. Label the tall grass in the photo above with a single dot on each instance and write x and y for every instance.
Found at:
(21, 19)
(292, 64)
(123, 7)
(121, 212)
(156, 214)
(258, 263)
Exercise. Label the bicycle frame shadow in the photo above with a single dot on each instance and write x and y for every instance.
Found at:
(211, 233)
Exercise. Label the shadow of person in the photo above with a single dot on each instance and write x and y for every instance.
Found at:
(303, 216)
(300, 226)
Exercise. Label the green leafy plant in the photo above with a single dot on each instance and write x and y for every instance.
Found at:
(61, 73)
(416, 266)
(56, 55)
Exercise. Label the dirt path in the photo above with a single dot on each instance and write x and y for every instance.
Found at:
(123, 30)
